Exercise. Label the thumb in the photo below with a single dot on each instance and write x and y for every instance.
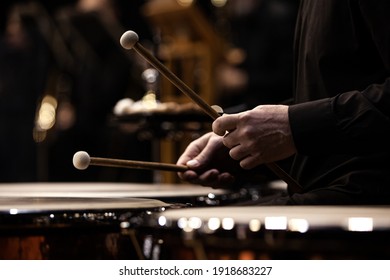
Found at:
(200, 160)
(206, 155)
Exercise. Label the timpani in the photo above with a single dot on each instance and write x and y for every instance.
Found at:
(89, 220)
(272, 232)
(72, 228)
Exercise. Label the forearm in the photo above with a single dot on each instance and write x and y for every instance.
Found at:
(353, 122)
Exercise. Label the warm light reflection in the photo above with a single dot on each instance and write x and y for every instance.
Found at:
(194, 222)
(39, 135)
(188, 225)
(50, 100)
(300, 225)
(188, 229)
(149, 101)
(275, 223)
(182, 223)
(162, 221)
(227, 223)
(150, 75)
(360, 224)
(47, 113)
(218, 3)
(124, 225)
(214, 223)
(211, 195)
(185, 3)
(254, 225)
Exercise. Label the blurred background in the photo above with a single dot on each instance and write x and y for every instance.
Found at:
(67, 85)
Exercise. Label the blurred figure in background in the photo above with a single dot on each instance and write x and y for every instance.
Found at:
(105, 74)
(24, 60)
(70, 51)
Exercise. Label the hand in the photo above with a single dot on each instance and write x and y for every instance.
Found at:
(257, 136)
(209, 162)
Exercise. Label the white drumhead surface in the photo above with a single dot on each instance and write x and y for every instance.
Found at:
(110, 190)
(36, 204)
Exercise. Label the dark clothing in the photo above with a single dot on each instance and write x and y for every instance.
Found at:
(342, 52)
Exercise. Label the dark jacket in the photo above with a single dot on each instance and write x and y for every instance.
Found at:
(341, 119)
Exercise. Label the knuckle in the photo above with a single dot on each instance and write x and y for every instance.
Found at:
(244, 117)
(217, 127)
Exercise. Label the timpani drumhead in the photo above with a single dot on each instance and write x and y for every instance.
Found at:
(170, 193)
(25, 205)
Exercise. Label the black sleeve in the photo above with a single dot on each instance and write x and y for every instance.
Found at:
(353, 122)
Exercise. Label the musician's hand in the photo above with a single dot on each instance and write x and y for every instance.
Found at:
(257, 136)
(209, 162)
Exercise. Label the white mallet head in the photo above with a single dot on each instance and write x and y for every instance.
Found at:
(128, 39)
(81, 160)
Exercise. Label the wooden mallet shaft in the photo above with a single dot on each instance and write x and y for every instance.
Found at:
(81, 160)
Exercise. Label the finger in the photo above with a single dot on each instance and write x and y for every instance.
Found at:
(226, 179)
(209, 178)
(225, 123)
(251, 162)
(231, 139)
(196, 155)
(194, 148)
(189, 176)
(190, 152)
(202, 159)
(183, 159)
(238, 153)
